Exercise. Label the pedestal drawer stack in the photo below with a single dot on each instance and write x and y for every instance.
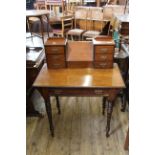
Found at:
(55, 49)
(103, 52)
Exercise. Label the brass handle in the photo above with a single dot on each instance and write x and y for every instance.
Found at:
(104, 49)
(55, 57)
(58, 91)
(103, 64)
(98, 92)
(55, 49)
(104, 57)
(57, 64)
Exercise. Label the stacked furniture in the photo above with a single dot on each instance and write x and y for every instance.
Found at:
(34, 62)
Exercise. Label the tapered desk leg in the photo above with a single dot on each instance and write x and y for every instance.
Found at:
(46, 97)
(50, 119)
(58, 104)
(104, 105)
(109, 114)
(111, 98)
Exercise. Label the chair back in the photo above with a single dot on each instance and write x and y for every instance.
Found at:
(80, 18)
(40, 4)
(96, 19)
(67, 23)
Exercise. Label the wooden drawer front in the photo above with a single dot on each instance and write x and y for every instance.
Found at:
(54, 49)
(105, 64)
(103, 57)
(55, 58)
(56, 64)
(79, 92)
(104, 49)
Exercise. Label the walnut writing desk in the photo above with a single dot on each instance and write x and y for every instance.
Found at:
(79, 82)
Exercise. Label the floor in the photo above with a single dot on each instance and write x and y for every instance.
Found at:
(79, 130)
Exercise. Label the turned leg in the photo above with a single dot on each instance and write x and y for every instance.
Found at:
(104, 105)
(58, 104)
(123, 105)
(45, 94)
(109, 113)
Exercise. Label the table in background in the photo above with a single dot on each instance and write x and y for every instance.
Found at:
(39, 14)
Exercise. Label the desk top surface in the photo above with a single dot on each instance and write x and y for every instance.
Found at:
(79, 78)
(35, 13)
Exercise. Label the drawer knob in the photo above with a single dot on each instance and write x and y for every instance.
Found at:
(58, 91)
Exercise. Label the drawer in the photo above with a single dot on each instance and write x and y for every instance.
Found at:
(56, 64)
(103, 57)
(55, 57)
(54, 49)
(104, 49)
(106, 64)
(79, 92)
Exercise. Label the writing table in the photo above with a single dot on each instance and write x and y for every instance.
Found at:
(79, 82)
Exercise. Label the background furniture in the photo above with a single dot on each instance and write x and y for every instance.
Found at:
(34, 62)
(66, 25)
(39, 14)
(53, 4)
(95, 16)
(79, 16)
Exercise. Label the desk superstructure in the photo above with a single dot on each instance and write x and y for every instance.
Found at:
(97, 53)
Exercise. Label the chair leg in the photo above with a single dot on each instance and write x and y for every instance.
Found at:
(72, 37)
(79, 38)
(58, 104)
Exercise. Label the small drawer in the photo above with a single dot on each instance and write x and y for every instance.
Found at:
(55, 57)
(54, 49)
(103, 57)
(106, 64)
(56, 65)
(104, 49)
(79, 92)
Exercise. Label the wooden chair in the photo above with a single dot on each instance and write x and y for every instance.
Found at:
(95, 23)
(54, 4)
(66, 25)
(80, 17)
(39, 4)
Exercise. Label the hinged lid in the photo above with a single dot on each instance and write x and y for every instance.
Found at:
(55, 41)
